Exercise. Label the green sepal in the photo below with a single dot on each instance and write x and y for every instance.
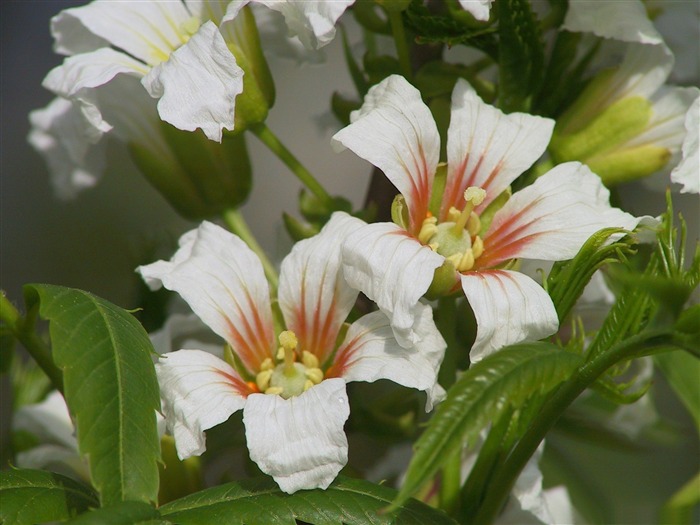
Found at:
(492, 387)
(299, 230)
(110, 388)
(125, 512)
(520, 55)
(438, 189)
(496, 204)
(399, 212)
(37, 496)
(199, 178)
(260, 502)
(445, 281)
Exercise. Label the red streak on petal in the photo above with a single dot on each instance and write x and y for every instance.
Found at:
(239, 386)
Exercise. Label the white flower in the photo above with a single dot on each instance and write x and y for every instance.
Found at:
(486, 150)
(179, 51)
(662, 131)
(292, 393)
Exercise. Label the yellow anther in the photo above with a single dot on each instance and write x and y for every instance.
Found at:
(474, 195)
(473, 224)
(263, 380)
(453, 214)
(477, 247)
(433, 246)
(309, 359)
(466, 262)
(315, 375)
(455, 259)
(274, 390)
(280, 354)
(308, 384)
(267, 364)
(427, 229)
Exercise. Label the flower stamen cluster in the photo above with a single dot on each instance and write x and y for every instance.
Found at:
(288, 378)
(457, 238)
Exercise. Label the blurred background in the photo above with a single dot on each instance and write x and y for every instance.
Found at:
(95, 241)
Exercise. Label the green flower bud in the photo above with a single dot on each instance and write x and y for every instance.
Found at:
(258, 87)
(199, 178)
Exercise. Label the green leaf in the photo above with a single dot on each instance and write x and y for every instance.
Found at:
(36, 496)
(123, 513)
(520, 55)
(110, 388)
(568, 279)
(490, 388)
(261, 502)
(682, 371)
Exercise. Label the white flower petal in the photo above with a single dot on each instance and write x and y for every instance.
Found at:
(552, 218)
(509, 308)
(480, 9)
(199, 391)
(70, 144)
(370, 352)
(395, 131)
(487, 148)
(687, 173)
(198, 85)
(626, 20)
(394, 270)
(223, 282)
(299, 441)
(48, 421)
(148, 29)
(313, 295)
(313, 21)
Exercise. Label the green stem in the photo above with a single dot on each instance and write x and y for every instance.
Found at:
(31, 341)
(236, 223)
(505, 477)
(399, 34)
(450, 482)
(274, 144)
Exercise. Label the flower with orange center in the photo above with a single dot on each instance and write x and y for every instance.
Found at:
(446, 241)
(290, 383)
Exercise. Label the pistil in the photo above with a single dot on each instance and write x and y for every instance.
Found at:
(474, 196)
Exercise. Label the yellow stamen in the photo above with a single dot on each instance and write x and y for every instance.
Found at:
(433, 246)
(263, 379)
(477, 247)
(315, 375)
(308, 384)
(473, 224)
(309, 359)
(274, 390)
(453, 214)
(467, 261)
(267, 364)
(427, 229)
(474, 196)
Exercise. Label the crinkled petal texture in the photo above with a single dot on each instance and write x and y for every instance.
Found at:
(487, 148)
(223, 282)
(313, 21)
(148, 30)
(509, 308)
(626, 21)
(552, 218)
(313, 295)
(199, 391)
(687, 173)
(394, 270)
(70, 144)
(395, 131)
(479, 9)
(370, 352)
(198, 84)
(300, 441)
